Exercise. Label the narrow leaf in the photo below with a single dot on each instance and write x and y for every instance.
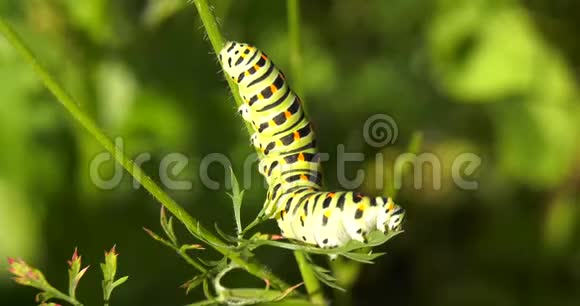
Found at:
(361, 257)
(237, 197)
(224, 235)
(157, 237)
(120, 281)
(194, 282)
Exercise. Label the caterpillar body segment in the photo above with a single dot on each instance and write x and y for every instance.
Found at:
(273, 167)
(285, 141)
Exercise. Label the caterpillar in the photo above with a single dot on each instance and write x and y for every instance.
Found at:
(331, 219)
(290, 162)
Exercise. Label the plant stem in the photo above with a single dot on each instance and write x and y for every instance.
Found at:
(61, 296)
(311, 283)
(85, 121)
(293, 11)
(217, 42)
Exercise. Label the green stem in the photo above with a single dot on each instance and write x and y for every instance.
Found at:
(313, 286)
(61, 296)
(217, 41)
(189, 260)
(190, 223)
(293, 11)
(311, 283)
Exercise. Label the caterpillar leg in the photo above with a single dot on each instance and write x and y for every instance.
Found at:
(244, 110)
(255, 141)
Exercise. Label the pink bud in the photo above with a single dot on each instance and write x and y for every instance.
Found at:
(75, 258)
(75, 255)
(32, 275)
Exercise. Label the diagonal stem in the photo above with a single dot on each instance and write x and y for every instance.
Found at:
(192, 224)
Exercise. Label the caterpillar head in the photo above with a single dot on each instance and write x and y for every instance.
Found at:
(392, 217)
(234, 58)
(396, 220)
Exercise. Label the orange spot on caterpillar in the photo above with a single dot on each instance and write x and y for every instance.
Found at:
(296, 136)
(330, 195)
(303, 177)
(256, 67)
(264, 57)
(273, 88)
(300, 156)
(287, 114)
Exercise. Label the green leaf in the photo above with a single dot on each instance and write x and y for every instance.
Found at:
(218, 264)
(237, 197)
(251, 296)
(224, 235)
(167, 225)
(158, 238)
(194, 282)
(374, 238)
(109, 269)
(45, 296)
(120, 281)
(361, 257)
(323, 275)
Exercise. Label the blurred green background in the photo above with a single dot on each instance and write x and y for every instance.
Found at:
(497, 78)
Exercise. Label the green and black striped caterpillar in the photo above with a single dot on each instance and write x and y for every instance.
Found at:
(290, 163)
